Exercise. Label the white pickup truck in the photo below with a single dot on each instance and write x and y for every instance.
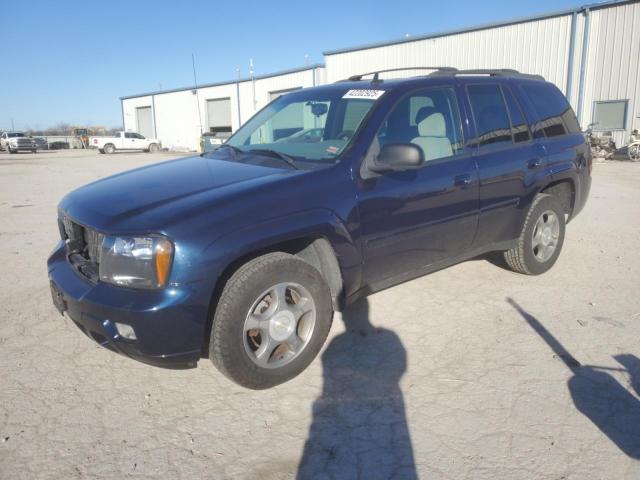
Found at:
(124, 141)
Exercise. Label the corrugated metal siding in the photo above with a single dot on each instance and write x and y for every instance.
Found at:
(540, 47)
(613, 69)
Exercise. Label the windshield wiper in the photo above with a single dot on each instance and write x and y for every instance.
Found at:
(275, 154)
(236, 150)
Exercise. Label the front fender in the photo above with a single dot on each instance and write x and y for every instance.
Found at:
(231, 247)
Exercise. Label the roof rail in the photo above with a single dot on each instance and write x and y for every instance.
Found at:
(492, 72)
(375, 74)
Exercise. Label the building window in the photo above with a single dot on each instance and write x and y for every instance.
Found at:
(610, 115)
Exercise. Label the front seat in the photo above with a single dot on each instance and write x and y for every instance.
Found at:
(433, 140)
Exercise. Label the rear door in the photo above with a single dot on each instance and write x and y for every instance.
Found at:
(511, 163)
(556, 126)
(417, 218)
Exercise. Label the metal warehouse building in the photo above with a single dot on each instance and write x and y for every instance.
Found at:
(591, 53)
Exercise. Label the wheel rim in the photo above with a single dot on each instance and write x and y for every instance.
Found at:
(108, 149)
(545, 236)
(279, 325)
(634, 153)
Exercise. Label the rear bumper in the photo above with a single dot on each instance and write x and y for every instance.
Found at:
(169, 324)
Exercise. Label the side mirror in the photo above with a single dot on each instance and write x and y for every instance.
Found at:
(398, 157)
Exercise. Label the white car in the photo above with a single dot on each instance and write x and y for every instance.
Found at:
(124, 141)
(14, 142)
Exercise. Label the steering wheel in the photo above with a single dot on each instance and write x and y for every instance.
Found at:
(345, 135)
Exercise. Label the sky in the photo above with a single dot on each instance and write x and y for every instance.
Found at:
(70, 61)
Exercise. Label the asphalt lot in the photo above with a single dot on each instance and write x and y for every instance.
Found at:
(473, 372)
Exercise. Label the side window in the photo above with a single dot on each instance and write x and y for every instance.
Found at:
(519, 127)
(429, 119)
(138, 136)
(490, 114)
(128, 135)
(556, 117)
(353, 114)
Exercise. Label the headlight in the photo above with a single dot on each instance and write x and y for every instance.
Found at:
(138, 262)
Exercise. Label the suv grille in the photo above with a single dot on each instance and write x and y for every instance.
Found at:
(83, 247)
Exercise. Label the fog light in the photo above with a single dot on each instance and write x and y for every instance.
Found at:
(126, 331)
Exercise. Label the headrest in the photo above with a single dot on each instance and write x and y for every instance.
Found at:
(423, 113)
(433, 126)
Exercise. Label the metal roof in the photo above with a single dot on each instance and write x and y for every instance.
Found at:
(486, 26)
(228, 82)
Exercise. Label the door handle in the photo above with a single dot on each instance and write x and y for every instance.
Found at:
(462, 180)
(535, 163)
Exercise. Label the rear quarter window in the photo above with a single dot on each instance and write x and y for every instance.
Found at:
(555, 115)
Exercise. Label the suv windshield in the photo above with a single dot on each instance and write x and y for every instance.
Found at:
(313, 125)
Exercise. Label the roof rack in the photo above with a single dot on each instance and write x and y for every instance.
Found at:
(355, 78)
(492, 72)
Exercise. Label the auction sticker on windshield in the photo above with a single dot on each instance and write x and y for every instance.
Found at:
(362, 93)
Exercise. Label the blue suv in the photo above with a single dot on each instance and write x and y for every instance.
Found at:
(326, 195)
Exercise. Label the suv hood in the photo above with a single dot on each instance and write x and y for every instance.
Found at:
(149, 198)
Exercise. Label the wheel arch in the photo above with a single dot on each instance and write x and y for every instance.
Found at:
(565, 191)
(315, 249)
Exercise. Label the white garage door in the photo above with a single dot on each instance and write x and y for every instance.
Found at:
(145, 121)
(219, 115)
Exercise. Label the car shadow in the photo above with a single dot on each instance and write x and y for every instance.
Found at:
(597, 394)
(359, 427)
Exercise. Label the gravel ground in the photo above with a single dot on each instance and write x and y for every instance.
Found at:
(469, 373)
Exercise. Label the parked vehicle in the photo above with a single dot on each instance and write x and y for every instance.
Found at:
(124, 141)
(309, 135)
(633, 150)
(41, 143)
(243, 254)
(59, 145)
(14, 142)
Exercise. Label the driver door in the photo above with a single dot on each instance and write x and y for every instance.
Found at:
(416, 218)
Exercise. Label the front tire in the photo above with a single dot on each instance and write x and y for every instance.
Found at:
(153, 148)
(10, 150)
(634, 152)
(271, 321)
(541, 239)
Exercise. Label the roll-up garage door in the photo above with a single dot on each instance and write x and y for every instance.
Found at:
(219, 115)
(145, 121)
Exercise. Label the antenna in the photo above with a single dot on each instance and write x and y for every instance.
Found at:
(253, 83)
(195, 89)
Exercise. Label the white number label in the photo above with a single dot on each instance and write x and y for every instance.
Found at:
(369, 94)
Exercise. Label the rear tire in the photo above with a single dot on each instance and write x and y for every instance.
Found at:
(262, 302)
(634, 152)
(542, 237)
(109, 148)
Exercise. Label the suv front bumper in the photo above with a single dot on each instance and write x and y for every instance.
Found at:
(169, 324)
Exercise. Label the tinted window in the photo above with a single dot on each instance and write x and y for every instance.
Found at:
(519, 127)
(128, 135)
(555, 114)
(137, 135)
(428, 119)
(490, 113)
